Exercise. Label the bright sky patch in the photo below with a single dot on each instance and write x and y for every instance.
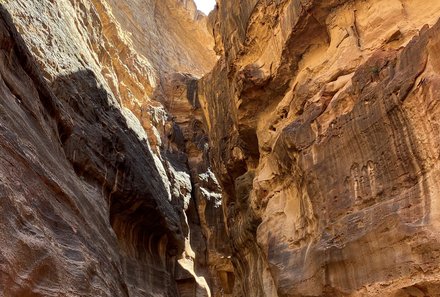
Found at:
(205, 5)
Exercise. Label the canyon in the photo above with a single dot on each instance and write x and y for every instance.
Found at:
(274, 148)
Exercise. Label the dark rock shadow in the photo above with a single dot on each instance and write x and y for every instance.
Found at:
(104, 150)
(107, 154)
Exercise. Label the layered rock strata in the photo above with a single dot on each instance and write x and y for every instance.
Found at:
(104, 192)
(328, 148)
(305, 163)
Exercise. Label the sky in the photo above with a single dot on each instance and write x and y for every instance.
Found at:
(205, 5)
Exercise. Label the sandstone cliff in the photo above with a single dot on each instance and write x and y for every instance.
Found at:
(273, 149)
(98, 187)
(328, 148)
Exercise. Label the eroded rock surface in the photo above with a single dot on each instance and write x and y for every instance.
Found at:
(328, 151)
(301, 161)
(98, 181)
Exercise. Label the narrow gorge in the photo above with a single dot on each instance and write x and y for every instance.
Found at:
(274, 148)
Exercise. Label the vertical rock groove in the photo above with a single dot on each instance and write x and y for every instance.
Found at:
(328, 187)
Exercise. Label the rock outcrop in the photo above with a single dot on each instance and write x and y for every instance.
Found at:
(99, 180)
(327, 151)
(272, 149)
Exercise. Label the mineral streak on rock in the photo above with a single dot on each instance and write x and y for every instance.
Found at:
(328, 151)
(272, 149)
(98, 181)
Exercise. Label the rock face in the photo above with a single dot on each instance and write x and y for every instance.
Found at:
(98, 181)
(302, 160)
(328, 148)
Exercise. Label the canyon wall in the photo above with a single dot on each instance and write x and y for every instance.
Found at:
(323, 119)
(104, 191)
(273, 149)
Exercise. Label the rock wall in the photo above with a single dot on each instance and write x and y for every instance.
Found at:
(323, 126)
(302, 160)
(103, 190)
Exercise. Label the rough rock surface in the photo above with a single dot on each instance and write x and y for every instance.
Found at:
(328, 148)
(304, 161)
(98, 193)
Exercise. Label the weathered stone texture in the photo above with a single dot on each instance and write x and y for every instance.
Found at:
(328, 150)
(97, 191)
(302, 161)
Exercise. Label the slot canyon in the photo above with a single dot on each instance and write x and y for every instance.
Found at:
(272, 148)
